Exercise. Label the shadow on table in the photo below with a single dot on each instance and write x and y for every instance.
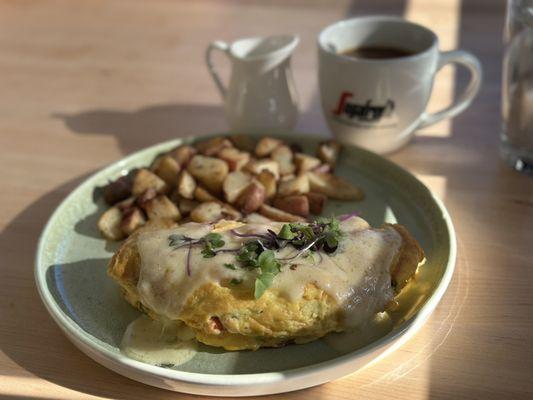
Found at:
(146, 126)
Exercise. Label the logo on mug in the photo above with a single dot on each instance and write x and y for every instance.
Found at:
(363, 114)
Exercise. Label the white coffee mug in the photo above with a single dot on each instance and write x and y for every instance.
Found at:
(378, 103)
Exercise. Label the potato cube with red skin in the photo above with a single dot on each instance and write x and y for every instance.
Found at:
(118, 190)
(251, 198)
(234, 184)
(317, 202)
(268, 180)
(298, 205)
(298, 185)
(256, 166)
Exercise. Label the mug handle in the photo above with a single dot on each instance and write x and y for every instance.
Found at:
(473, 65)
(224, 47)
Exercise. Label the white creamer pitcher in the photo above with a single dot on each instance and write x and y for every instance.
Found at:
(261, 95)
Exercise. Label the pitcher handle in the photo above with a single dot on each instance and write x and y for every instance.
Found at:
(472, 64)
(224, 47)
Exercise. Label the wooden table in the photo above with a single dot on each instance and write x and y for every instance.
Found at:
(85, 83)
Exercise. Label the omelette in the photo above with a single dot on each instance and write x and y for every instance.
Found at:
(245, 286)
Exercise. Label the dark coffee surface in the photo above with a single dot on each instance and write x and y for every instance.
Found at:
(375, 52)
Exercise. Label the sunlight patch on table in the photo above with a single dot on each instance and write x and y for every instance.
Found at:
(444, 20)
(436, 183)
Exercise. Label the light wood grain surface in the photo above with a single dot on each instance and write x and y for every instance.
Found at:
(85, 83)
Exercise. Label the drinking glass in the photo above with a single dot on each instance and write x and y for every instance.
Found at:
(517, 90)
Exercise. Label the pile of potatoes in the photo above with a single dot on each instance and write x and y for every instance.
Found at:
(229, 177)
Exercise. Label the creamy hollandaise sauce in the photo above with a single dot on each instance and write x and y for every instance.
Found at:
(356, 275)
(157, 343)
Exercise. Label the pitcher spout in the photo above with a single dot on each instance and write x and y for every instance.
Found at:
(264, 52)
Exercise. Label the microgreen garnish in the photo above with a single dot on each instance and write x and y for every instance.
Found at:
(286, 233)
(210, 241)
(258, 254)
(214, 239)
(176, 240)
(269, 267)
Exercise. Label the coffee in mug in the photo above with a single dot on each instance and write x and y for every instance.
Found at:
(376, 75)
(376, 52)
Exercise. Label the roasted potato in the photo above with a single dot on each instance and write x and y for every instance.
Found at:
(317, 202)
(286, 178)
(236, 159)
(305, 162)
(209, 171)
(167, 168)
(334, 187)
(131, 220)
(186, 185)
(186, 206)
(148, 194)
(202, 195)
(211, 147)
(251, 198)
(323, 168)
(118, 190)
(266, 145)
(298, 205)
(328, 151)
(211, 175)
(284, 157)
(126, 204)
(276, 214)
(256, 166)
(207, 212)
(109, 224)
(145, 179)
(298, 185)
(183, 154)
(228, 212)
(256, 218)
(268, 180)
(160, 207)
(234, 185)
(243, 142)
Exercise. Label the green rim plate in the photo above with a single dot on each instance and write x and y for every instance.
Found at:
(71, 263)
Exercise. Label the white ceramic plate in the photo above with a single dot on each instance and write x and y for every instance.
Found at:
(72, 257)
